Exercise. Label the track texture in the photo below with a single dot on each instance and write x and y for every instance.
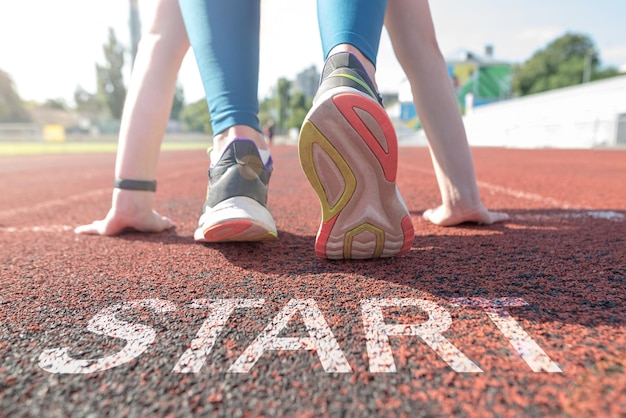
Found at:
(524, 318)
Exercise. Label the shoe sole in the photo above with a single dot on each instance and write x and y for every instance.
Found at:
(236, 219)
(348, 151)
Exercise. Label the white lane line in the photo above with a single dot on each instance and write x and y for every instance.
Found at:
(606, 215)
(52, 203)
(525, 195)
(574, 211)
(570, 211)
(520, 194)
(42, 228)
(78, 197)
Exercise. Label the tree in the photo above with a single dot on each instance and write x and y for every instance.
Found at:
(285, 107)
(299, 106)
(569, 60)
(605, 73)
(267, 111)
(111, 89)
(11, 106)
(196, 118)
(281, 97)
(58, 104)
(178, 104)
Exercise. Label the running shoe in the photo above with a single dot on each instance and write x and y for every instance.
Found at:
(236, 203)
(349, 153)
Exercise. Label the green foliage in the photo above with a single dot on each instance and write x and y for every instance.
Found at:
(196, 118)
(11, 106)
(110, 79)
(605, 73)
(58, 104)
(178, 104)
(281, 97)
(267, 111)
(299, 106)
(569, 60)
(288, 109)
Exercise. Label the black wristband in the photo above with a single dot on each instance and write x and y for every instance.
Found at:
(143, 185)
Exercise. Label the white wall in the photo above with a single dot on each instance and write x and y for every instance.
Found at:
(582, 116)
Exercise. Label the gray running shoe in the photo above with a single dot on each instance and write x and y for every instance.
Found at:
(236, 203)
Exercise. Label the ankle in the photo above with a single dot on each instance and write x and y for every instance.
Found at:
(132, 202)
(221, 140)
(369, 67)
(462, 200)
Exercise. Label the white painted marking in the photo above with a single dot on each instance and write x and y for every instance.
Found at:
(377, 334)
(607, 215)
(523, 343)
(42, 229)
(525, 195)
(494, 188)
(321, 339)
(137, 336)
(52, 203)
(193, 359)
(576, 211)
(79, 197)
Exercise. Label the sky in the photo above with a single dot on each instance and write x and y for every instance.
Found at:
(50, 47)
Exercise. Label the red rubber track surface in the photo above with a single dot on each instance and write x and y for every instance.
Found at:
(563, 253)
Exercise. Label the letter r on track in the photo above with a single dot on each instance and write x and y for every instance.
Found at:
(377, 334)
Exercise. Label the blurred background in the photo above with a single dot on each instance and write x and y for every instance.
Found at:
(527, 73)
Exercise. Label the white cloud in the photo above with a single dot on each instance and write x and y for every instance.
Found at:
(614, 55)
(539, 35)
(531, 39)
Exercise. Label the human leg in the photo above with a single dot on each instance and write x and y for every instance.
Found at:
(347, 145)
(410, 27)
(144, 121)
(352, 26)
(225, 38)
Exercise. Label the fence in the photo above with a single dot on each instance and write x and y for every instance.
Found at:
(20, 132)
(29, 132)
(559, 134)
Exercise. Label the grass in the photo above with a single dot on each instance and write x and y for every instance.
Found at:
(46, 148)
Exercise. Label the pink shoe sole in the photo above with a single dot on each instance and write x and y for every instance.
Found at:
(236, 219)
(349, 153)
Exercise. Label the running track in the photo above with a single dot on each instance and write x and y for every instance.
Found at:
(524, 318)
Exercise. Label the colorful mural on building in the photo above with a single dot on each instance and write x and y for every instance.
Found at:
(478, 80)
(487, 82)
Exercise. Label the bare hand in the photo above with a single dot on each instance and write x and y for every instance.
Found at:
(444, 216)
(129, 210)
(115, 222)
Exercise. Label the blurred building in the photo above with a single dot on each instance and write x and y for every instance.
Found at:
(43, 115)
(477, 79)
(588, 115)
(483, 78)
(307, 82)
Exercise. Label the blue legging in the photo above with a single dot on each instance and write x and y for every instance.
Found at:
(224, 35)
(355, 22)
